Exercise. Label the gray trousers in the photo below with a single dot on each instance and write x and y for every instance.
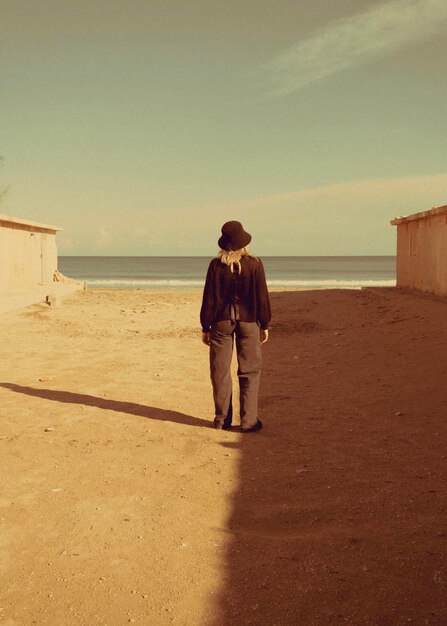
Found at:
(249, 357)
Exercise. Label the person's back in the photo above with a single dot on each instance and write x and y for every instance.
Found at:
(235, 303)
(241, 293)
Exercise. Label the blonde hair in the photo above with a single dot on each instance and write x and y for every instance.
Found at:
(233, 257)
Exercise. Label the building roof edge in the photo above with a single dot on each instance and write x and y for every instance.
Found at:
(401, 219)
(9, 221)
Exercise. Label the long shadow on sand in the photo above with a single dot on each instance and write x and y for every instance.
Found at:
(339, 512)
(131, 408)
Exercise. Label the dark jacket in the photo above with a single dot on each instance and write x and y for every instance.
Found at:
(234, 296)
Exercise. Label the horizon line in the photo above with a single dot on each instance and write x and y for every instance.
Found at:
(206, 256)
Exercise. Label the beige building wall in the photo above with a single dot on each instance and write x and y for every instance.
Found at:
(422, 251)
(28, 253)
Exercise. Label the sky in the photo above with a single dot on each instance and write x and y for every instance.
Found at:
(141, 126)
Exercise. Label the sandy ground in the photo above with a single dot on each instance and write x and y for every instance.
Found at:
(120, 504)
(22, 297)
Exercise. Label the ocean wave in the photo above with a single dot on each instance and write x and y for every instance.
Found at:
(303, 284)
(332, 283)
(141, 282)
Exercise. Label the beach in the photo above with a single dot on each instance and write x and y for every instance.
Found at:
(120, 504)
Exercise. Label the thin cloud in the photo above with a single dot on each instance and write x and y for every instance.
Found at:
(412, 192)
(342, 218)
(104, 239)
(356, 40)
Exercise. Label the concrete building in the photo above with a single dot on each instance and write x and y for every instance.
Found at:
(28, 253)
(422, 251)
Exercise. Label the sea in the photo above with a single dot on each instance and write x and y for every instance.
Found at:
(293, 272)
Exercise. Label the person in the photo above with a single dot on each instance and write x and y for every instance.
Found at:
(235, 306)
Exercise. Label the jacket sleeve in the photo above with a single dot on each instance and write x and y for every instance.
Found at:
(207, 310)
(264, 313)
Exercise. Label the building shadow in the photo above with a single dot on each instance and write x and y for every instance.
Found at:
(339, 513)
(140, 410)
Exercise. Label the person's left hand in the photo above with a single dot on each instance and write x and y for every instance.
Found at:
(264, 335)
(206, 338)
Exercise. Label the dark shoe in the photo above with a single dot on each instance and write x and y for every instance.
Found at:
(222, 426)
(257, 426)
(226, 424)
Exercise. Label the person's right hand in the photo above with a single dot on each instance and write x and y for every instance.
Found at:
(264, 335)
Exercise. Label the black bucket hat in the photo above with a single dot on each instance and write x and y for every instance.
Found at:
(233, 237)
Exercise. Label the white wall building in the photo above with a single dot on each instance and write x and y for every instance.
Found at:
(422, 251)
(28, 253)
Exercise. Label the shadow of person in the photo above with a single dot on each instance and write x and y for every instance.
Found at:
(150, 412)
